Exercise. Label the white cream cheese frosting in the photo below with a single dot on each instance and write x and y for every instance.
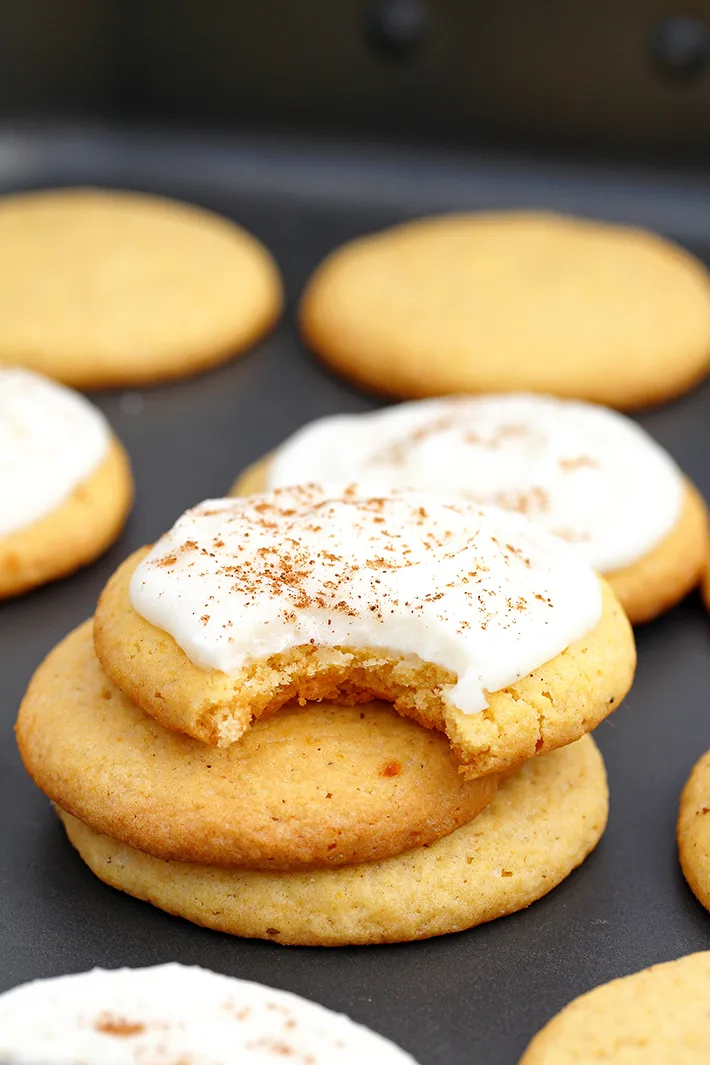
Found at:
(481, 592)
(171, 1014)
(51, 440)
(585, 473)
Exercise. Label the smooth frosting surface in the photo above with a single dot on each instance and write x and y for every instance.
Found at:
(51, 440)
(175, 1015)
(585, 473)
(483, 593)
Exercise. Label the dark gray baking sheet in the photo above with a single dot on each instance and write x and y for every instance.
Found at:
(479, 996)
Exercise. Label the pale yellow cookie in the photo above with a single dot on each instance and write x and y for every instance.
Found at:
(553, 706)
(694, 831)
(116, 288)
(658, 1016)
(513, 301)
(646, 588)
(662, 578)
(73, 534)
(705, 582)
(316, 785)
(541, 824)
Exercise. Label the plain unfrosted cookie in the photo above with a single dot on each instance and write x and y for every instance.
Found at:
(541, 824)
(317, 785)
(176, 1015)
(108, 288)
(553, 705)
(705, 582)
(658, 1016)
(513, 301)
(694, 830)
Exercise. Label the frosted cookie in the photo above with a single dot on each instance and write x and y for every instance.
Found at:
(541, 824)
(65, 482)
(101, 289)
(515, 301)
(694, 831)
(578, 470)
(316, 785)
(472, 622)
(658, 1016)
(170, 1014)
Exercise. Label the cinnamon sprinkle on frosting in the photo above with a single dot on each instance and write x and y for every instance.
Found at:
(480, 592)
(582, 472)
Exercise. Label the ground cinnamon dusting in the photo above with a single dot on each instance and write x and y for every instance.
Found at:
(342, 557)
(118, 1026)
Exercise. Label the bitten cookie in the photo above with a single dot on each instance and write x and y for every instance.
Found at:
(541, 824)
(101, 289)
(65, 482)
(317, 785)
(473, 622)
(513, 301)
(657, 1016)
(582, 472)
(694, 831)
(170, 1014)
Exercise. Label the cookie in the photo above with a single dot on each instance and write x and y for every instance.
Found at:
(705, 582)
(657, 1016)
(167, 1014)
(578, 470)
(541, 824)
(472, 622)
(105, 288)
(513, 301)
(65, 482)
(315, 785)
(665, 576)
(694, 831)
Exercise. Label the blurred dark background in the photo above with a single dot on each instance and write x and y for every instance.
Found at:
(628, 78)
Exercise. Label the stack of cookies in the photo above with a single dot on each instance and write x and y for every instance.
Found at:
(328, 718)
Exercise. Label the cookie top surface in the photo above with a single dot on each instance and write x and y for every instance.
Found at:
(578, 470)
(694, 830)
(513, 301)
(170, 1013)
(654, 1017)
(541, 824)
(51, 441)
(312, 785)
(109, 288)
(484, 594)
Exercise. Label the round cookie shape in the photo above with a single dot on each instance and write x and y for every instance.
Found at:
(705, 582)
(513, 301)
(169, 1013)
(578, 470)
(318, 785)
(550, 699)
(65, 482)
(51, 441)
(541, 824)
(645, 588)
(667, 574)
(107, 288)
(653, 1017)
(694, 831)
